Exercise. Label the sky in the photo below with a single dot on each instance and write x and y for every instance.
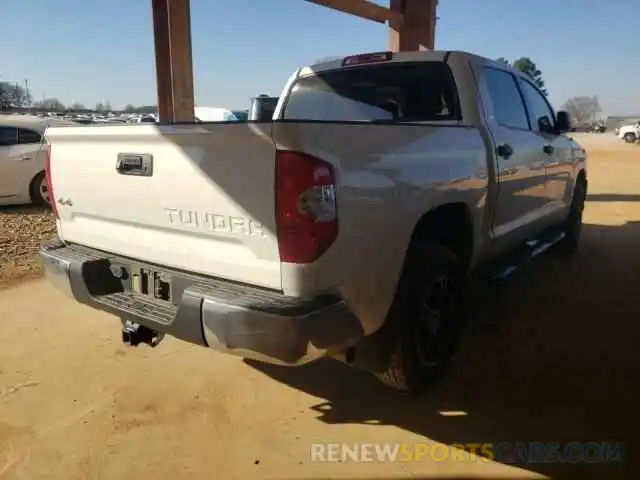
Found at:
(91, 51)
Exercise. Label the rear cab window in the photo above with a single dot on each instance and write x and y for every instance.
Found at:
(393, 92)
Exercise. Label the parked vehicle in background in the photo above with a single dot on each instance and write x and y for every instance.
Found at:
(83, 121)
(240, 115)
(147, 119)
(262, 108)
(349, 227)
(216, 114)
(22, 177)
(629, 133)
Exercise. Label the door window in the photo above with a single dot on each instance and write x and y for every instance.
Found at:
(508, 107)
(540, 112)
(8, 136)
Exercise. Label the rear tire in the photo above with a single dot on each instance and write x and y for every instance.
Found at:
(629, 137)
(573, 225)
(426, 318)
(39, 191)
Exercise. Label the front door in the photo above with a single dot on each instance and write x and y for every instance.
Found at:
(557, 148)
(8, 167)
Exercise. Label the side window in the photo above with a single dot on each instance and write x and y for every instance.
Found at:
(541, 113)
(28, 136)
(8, 136)
(508, 108)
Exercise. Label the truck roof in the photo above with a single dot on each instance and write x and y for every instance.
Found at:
(401, 57)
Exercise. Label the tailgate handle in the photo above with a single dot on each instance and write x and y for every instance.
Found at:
(139, 164)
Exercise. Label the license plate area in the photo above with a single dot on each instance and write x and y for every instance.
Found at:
(150, 283)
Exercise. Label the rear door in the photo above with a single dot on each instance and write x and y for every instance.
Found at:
(522, 196)
(199, 198)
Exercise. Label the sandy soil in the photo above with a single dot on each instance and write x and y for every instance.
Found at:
(553, 357)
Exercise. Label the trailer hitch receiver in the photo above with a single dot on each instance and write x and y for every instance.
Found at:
(133, 334)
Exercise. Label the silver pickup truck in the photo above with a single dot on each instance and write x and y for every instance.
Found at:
(347, 227)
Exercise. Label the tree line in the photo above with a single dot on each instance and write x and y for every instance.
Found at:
(14, 97)
(584, 109)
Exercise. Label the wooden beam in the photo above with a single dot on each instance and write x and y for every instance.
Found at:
(417, 30)
(174, 68)
(361, 8)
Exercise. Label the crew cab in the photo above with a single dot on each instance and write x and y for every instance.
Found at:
(347, 226)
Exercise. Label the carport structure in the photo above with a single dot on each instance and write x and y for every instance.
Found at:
(411, 27)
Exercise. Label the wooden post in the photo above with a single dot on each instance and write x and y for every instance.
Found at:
(174, 67)
(417, 29)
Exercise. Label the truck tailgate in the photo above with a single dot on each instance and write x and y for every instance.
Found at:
(194, 197)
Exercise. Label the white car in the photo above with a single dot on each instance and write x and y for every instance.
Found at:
(22, 178)
(629, 133)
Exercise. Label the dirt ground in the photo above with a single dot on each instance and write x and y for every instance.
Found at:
(552, 358)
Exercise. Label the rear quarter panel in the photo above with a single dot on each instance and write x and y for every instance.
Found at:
(389, 176)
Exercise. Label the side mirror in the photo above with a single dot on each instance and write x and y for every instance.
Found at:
(545, 125)
(563, 122)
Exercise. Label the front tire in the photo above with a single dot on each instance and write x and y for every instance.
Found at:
(39, 191)
(426, 317)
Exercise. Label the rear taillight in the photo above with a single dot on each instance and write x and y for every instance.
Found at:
(47, 172)
(306, 208)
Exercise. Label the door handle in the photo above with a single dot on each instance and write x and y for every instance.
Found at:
(548, 149)
(24, 158)
(505, 150)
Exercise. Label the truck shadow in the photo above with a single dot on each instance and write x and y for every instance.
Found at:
(613, 197)
(551, 358)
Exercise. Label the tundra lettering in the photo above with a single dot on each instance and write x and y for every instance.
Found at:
(215, 222)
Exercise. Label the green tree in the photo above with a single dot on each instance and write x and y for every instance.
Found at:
(529, 68)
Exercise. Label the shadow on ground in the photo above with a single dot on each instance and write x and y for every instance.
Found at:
(553, 357)
(24, 210)
(613, 197)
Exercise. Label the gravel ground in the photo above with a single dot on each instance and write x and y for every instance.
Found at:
(22, 230)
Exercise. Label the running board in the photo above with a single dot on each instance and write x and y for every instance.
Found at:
(531, 249)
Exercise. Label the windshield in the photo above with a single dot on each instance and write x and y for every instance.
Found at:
(411, 92)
